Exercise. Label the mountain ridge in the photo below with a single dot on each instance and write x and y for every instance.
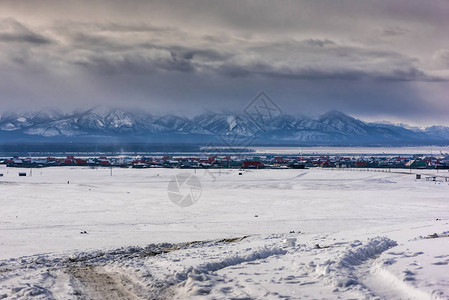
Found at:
(106, 124)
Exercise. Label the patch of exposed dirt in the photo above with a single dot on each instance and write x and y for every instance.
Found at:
(90, 283)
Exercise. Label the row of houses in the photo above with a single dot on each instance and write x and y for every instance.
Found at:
(238, 161)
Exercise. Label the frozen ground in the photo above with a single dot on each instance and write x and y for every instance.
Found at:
(358, 234)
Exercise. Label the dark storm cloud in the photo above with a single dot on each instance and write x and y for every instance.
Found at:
(13, 31)
(317, 42)
(331, 62)
(390, 58)
(140, 48)
(24, 38)
(129, 48)
(123, 52)
(135, 64)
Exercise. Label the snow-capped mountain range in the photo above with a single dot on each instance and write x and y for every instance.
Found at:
(118, 125)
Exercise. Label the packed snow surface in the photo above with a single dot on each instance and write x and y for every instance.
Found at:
(80, 233)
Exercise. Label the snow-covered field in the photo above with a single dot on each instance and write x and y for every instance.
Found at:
(271, 234)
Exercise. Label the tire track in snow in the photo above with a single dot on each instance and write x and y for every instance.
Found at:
(89, 283)
(360, 265)
(198, 281)
(385, 285)
(350, 268)
(84, 272)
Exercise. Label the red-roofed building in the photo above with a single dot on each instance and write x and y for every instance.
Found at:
(247, 164)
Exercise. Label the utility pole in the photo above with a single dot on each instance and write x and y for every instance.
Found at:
(31, 163)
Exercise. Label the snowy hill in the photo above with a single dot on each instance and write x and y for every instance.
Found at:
(438, 132)
(103, 123)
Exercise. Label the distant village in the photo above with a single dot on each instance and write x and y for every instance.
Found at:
(237, 161)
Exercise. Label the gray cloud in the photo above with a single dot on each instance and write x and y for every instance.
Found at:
(393, 31)
(13, 31)
(24, 38)
(137, 49)
(318, 42)
(441, 59)
(389, 58)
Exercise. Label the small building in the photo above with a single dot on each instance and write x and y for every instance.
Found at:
(248, 164)
(297, 165)
(104, 162)
(80, 162)
(360, 164)
(67, 162)
(139, 165)
(279, 159)
(416, 164)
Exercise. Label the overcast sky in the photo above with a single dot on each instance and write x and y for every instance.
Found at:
(376, 60)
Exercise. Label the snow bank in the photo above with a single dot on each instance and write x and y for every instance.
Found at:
(198, 280)
(357, 253)
(341, 272)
